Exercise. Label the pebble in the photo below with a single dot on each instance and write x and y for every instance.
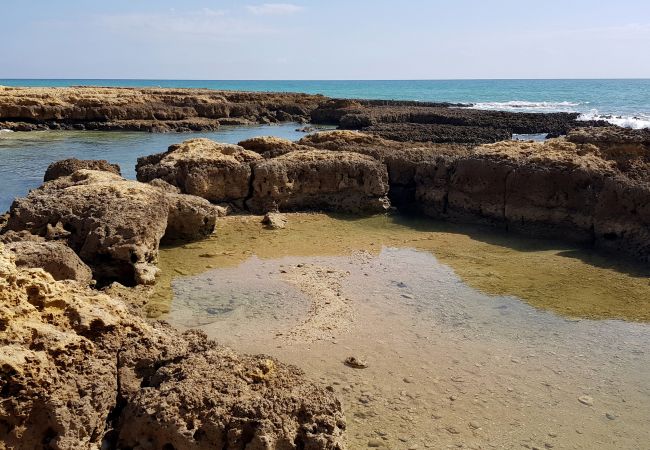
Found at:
(610, 416)
(355, 363)
(374, 443)
(586, 400)
(474, 425)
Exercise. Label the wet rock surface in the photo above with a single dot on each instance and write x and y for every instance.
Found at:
(79, 370)
(114, 225)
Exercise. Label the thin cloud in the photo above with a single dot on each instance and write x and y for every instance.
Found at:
(274, 9)
(205, 22)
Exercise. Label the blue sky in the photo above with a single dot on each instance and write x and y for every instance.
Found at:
(334, 39)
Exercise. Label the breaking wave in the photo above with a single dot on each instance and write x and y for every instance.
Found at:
(636, 122)
(524, 106)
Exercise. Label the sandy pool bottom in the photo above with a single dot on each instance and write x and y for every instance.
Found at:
(454, 358)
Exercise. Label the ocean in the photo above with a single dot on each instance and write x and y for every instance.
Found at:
(624, 102)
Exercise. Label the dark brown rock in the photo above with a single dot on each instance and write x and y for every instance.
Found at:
(67, 167)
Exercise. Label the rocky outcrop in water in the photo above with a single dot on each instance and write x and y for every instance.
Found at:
(591, 187)
(160, 110)
(114, 225)
(211, 170)
(66, 167)
(146, 109)
(301, 177)
(440, 122)
(81, 371)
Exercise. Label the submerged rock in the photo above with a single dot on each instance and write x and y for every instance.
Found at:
(79, 370)
(114, 225)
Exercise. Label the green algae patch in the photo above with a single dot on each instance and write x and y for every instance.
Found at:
(567, 280)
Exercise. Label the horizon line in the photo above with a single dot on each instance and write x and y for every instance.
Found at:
(330, 79)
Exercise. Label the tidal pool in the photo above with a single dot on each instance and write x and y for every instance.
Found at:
(472, 339)
(550, 275)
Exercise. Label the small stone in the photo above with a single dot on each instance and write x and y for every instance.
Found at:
(374, 443)
(355, 363)
(610, 416)
(474, 425)
(274, 221)
(452, 430)
(586, 400)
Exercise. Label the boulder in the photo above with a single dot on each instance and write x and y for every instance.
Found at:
(80, 370)
(320, 179)
(67, 167)
(114, 225)
(214, 171)
(56, 258)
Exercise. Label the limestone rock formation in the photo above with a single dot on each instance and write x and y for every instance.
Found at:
(400, 158)
(80, 371)
(146, 109)
(320, 179)
(54, 257)
(556, 188)
(114, 225)
(214, 171)
(66, 167)
(271, 146)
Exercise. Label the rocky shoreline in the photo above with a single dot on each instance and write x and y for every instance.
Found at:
(73, 344)
(184, 110)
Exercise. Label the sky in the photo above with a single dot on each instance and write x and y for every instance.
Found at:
(333, 39)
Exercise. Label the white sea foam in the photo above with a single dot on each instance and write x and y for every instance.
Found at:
(636, 122)
(2, 130)
(525, 106)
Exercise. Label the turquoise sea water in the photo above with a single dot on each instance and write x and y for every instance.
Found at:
(24, 156)
(624, 102)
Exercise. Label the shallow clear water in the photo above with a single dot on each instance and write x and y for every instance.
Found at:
(449, 365)
(24, 156)
(628, 100)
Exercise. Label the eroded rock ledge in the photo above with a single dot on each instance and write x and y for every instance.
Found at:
(291, 177)
(160, 110)
(590, 187)
(79, 370)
